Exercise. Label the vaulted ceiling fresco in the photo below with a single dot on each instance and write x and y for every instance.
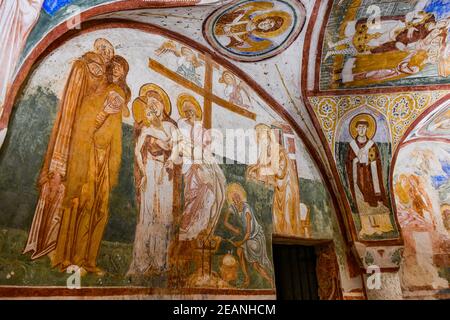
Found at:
(397, 43)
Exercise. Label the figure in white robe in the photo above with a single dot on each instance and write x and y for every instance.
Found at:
(235, 91)
(204, 193)
(17, 19)
(157, 156)
(365, 178)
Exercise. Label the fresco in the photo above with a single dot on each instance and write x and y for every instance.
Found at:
(435, 124)
(55, 12)
(234, 90)
(293, 215)
(401, 109)
(52, 13)
(440, 125)
(363, 152)
(251, 30)
(421, 184)
(153, 196)
(373, 44)
(53, 6)
(18, 19)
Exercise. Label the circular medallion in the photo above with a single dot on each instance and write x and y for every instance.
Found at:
(250, 30)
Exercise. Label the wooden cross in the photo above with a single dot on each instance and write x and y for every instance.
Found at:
(207, 92)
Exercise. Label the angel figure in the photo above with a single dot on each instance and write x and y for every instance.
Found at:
(235, 90)
(187, 63)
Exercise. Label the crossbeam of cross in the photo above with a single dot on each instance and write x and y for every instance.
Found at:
(207, 92)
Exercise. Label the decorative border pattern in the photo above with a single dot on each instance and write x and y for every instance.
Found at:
(400, 110)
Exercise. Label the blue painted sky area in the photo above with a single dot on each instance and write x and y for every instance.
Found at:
(53, 6)
(440, 8)
(440, 180)
(53, 13)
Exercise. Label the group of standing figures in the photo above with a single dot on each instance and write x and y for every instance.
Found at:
(82, 165)
(82, 161)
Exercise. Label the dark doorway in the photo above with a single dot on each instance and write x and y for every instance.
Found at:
(295, 272)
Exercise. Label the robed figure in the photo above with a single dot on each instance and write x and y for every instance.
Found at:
(364, 174)
(204, 181)
(203, 198)
(158, 180)
(82, 162)
(274, 168)
(252, 249)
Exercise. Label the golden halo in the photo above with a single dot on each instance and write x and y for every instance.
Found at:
(139, 111)
(363, 117)
(165, 97)
(287, 21)
(235, 188)
(185, 97)
(139, 104)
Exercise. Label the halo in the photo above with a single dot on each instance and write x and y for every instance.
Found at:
(184, 48)
(287, 21)
(290, 16)
(235, 188)
(224, 73)
(165, 97)
(184, 97)
(139, 111)
(371, 127)
(139, 104)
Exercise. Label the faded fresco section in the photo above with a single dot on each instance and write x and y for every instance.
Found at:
(421, 185)
(18, 19)
(421, 181)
